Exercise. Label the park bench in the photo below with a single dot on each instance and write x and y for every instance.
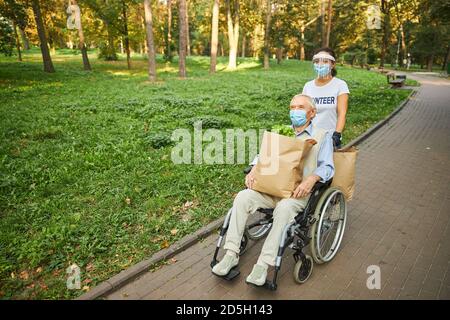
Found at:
(396, 81)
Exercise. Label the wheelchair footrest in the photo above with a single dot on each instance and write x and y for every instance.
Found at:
(269, 285)
(234, 272)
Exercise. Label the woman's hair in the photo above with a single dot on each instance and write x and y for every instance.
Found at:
(331, 52)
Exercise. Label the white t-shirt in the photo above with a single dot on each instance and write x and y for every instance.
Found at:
(325, 98)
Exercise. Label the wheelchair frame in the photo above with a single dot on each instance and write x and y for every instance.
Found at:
(299, 227)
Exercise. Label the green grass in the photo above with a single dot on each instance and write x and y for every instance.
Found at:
(86, 176)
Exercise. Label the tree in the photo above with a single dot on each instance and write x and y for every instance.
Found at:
(48, 64)
(233, 31)
(182, 46)
(26, 43)
(427, 44)
(6, 37)
(111, 13)
(150, 41)
(188, 37)
(168, 54)
(82, 44)
(267, 34)
(16, 36)
(125, 33)
(214, 36)
(15, 11)
(385, 8)
(329, 18)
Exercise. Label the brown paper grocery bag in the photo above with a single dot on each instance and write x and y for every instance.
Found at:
(280, 165)
(344, 171)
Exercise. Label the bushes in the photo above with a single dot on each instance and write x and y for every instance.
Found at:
(106, 52)
(358, 57)
(210, 122)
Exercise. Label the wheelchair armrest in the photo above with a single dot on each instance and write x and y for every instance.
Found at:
(320, 185)
(248, 169)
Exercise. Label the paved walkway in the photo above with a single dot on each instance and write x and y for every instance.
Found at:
(398, 220)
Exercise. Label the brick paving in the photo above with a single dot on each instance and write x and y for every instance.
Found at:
(398, 220)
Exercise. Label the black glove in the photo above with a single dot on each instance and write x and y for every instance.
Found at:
(337, 140)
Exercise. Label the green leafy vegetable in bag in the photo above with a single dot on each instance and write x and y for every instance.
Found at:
(284, 130)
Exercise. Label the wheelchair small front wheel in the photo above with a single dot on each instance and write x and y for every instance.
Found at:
(303, 270)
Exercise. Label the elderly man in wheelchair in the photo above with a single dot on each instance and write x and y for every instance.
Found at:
(314, 215)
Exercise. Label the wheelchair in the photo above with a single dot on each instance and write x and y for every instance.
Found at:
(320, 225)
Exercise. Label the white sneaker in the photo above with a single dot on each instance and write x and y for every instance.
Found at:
(258, 275)
(226, 264)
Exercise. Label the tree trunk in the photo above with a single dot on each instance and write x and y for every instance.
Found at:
(126, 36)
(399, 62)
(327, 39)
(385, 11)
(188, 40)
(82, 45)
(233, 33)
(111, 48)
(182, 38)
(403, 51)
(267, 35)
(302, 44)
(430, 62)
(17, 40)
(26, 43)
(255, 40)
(214, 36)
(279, 55)
(244, 38)
(48, 64)
(150, 41)
(322, 22)
(169, 31)
(446, 59)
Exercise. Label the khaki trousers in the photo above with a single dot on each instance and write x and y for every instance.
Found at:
(247, 202)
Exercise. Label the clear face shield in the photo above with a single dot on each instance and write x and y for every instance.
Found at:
(323, 64)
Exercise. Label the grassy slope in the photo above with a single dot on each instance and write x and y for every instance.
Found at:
(80, 181)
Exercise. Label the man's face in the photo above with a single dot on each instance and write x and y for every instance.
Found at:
(302, 103)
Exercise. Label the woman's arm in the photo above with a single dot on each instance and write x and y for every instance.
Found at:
(342, 104)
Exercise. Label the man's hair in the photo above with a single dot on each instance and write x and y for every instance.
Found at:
(310, 100)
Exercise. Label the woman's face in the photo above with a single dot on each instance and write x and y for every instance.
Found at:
(322, 61)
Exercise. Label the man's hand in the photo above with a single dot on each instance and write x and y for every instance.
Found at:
(305, 187)
(250, 178)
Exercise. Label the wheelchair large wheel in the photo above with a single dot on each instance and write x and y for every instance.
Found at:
(255, 231)
(327, 231)
(302, 271)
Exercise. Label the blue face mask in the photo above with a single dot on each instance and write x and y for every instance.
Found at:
(298, 117)
(322, 69)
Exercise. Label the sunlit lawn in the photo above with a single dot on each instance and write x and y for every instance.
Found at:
(86, 175)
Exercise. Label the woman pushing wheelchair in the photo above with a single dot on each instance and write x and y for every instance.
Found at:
(318, 167)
